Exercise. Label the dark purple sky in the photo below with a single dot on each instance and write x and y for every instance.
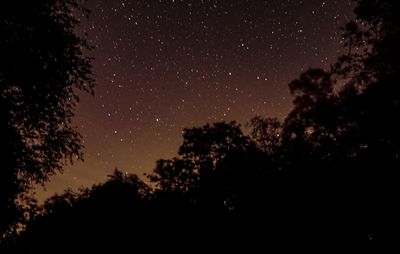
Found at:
(163, 65)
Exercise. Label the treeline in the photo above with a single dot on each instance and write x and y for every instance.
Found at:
(324, 180)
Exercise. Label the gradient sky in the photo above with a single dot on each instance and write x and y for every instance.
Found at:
(165, 65)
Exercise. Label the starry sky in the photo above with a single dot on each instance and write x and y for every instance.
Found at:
(164, 65)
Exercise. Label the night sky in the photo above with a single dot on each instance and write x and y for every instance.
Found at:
(165, 65)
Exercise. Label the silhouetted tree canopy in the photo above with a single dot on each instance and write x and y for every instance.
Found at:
(198, 172)
(266, 133)
(342, 141)
(107, 217)
(219, 170)
(324, 180)
(42, 67)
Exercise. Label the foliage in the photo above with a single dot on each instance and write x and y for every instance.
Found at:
(325, 180)
(41, 69)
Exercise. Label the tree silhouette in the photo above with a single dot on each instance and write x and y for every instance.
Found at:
(323, 181)
(222, 174)
(106, 217)
(41, 69)
(201, 157)
(377, 105)
(349, 137)
(267, 133)
(314, 102)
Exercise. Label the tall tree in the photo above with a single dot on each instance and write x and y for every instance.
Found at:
(349, 136)
(41, 70)
(373, 39)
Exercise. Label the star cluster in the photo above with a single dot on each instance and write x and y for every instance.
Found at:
(163, 65)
